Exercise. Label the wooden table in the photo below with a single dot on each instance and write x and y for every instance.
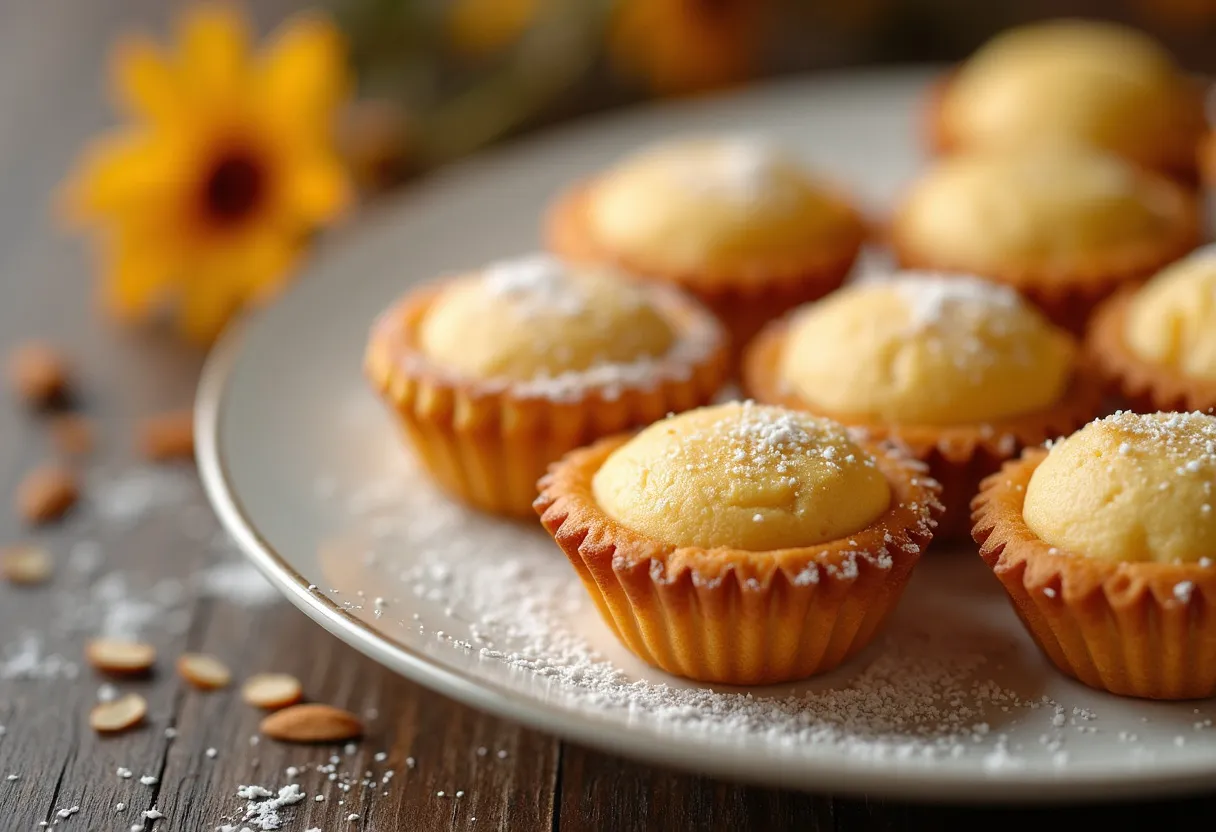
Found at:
(469, 770)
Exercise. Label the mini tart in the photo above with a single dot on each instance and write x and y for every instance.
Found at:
(1108, 615)
(726, 614)
(1149, 343)
(1099, 84)
(958, 373)
(458, 382)
(1066, 227)
(735, 223)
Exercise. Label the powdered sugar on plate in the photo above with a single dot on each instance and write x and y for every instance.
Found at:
(936, 687)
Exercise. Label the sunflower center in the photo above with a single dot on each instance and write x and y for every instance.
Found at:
(233, 188)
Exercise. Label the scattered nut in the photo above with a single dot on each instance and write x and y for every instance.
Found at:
(118, 714)
(26, 564)
(272, 690)
(71, 434)
(167, 436)
(203, 671)
(112, 655)
(312, 723)
(46, 494)
(38, 373)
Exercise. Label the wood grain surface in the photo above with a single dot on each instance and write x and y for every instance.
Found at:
(453, 768)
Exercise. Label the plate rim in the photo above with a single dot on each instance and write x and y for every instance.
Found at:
(888, 778)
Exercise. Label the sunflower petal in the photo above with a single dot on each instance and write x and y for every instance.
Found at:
(214, 51)
(239, 272)
(317, 190)
(302, 75)
(266, 261)
(207, 302)
(140, 272)
(123, 173)
(144, 79)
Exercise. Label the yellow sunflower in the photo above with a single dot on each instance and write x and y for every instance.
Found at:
(207, 199)
(683, 46)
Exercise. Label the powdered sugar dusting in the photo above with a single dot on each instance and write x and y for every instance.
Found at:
(28, 658)
(933, 299)
(237, 581)
(532, 285)
(979, 326)
(753, 437)
(924, 692)
(128, 496)
(538, 278)
(1186, 442)
(262, 811)
(1189, 437)
(772, 431)
(746, 169)
(743, 169)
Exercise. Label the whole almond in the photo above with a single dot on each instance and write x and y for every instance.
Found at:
(118, 714)
(46, 494)
(26, 564)
(203, 671)
(167, 436)
(38, 373)
(112, 655)
(312, 723)
(272, 690)
(71, 434)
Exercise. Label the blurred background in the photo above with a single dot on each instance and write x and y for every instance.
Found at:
(332, 104)
(441, 77)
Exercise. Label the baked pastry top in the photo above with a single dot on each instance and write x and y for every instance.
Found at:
(1056, 208)
(1129, 488)
(743, 476)
(714, 205)
(1171, 321)
(538, 317)
(921, 348)
(1090, 82)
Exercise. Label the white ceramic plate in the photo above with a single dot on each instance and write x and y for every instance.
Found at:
(952, 703)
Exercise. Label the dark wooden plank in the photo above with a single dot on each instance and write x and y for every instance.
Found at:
(429, 743)
(884, 816)
(603, 792)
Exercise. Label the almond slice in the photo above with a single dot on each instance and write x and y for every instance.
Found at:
(46, 494)
(112, 655)
(167, 436)
(38, 373)
(312, 723)
(272, 690)
(203, 671)
(118, 714)
(26, 564)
